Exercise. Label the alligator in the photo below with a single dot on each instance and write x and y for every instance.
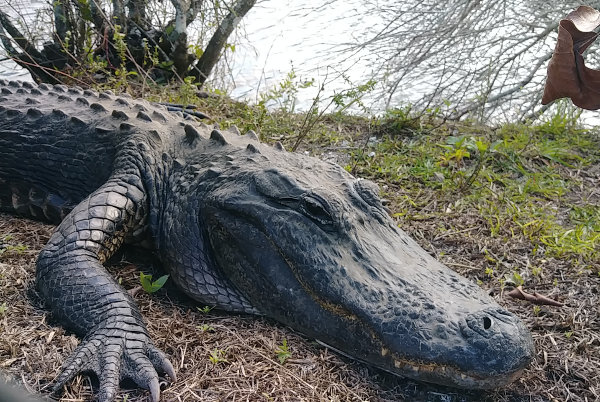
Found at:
(240, 225)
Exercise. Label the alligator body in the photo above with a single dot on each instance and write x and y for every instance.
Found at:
(239, 225)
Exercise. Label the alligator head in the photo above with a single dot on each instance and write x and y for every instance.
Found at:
(310, 246)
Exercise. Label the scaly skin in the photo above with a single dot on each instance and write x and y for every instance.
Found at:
(240, 226)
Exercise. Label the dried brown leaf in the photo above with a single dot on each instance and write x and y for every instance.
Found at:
(567, 75)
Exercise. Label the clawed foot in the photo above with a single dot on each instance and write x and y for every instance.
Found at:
(114, 355)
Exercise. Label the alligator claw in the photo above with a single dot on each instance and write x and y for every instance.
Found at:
(116, 355)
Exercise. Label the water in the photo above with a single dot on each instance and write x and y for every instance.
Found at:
(277, 36)
(309, 38)
(8, 68)
(312, 37)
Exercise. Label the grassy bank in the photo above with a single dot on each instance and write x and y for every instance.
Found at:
(512, 205)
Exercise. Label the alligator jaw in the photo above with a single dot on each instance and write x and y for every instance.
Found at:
(438, 374)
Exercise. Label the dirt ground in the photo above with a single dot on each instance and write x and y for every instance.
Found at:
(245, 364)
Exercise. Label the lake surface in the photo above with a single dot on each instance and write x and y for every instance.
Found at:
(310, 37)
(277, 36)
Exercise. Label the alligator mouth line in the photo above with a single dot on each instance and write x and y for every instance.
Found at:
(436, 373)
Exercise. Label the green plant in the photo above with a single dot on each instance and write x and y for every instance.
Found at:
(152, 286)
(514, 279)
(283, 352)
(121, 73)
(205, 328)
(284, 96)
(11, 248)
(3, 308)
(399, 121)
(276, 110)
(205, 309)
(564, 119)
(340, 101)
(217, 356)
(536, 271)
(187, 91)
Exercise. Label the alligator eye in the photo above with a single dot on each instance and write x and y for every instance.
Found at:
(314, 209)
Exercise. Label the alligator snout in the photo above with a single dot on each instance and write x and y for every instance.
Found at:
(328, 262)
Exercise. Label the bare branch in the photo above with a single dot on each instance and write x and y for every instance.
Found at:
(18, 37)
(484, 58)
(217, 42)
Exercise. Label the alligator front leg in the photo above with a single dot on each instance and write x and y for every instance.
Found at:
(83, 295)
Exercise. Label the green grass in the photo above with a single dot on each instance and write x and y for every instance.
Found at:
(524, 181)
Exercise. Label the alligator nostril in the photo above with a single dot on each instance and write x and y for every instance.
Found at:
(487, 323)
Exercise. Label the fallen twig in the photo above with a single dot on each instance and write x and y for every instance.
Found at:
(535, 298)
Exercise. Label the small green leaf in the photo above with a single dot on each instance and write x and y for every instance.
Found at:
(217, 356)
(149, 286)
(282, 352)
(160, 282)
(146, 281)
(205, 309)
